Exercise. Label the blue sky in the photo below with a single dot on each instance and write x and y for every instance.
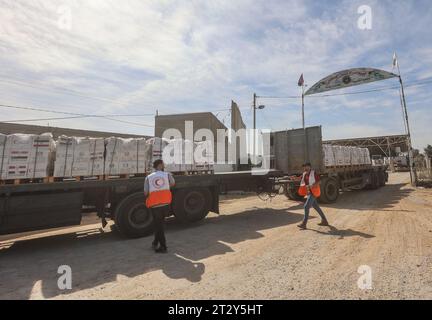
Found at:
(136, 57)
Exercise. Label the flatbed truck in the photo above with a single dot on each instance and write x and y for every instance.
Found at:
(37, 206)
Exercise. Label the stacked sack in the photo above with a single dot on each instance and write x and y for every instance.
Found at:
(156, 146)
(337, 156)
(329, 155)
(126, 156)
(26, 156)
(79, 156)
(182, 155)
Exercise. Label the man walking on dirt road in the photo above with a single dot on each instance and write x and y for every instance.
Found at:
(310, 187)
(158, 198)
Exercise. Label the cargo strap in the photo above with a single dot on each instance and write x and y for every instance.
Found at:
(112, 155)
(68, 140)
(2, 158)
(36, 156)
(137, 155)
(93, 158)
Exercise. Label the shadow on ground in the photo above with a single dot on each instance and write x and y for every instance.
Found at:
(382, 199)
(98, 257)
(342, 233)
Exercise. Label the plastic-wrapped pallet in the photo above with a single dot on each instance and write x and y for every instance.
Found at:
(355, 155)
(367, 158)
(346, 156)
(329, 155)
(339, 155)
(2, 156)
(79, 156)
(27, 156)
(3, 159)
(204, 156)
(361, 156)
(156, 146)
(126, 156)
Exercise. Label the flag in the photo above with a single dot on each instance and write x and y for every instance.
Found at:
(301, 81)
(395, 61)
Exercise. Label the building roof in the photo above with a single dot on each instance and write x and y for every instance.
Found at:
(10, 128)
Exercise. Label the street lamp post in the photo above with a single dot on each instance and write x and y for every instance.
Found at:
(255, 107)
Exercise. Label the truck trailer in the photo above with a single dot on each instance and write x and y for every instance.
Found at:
(290, 148)
(42, 205)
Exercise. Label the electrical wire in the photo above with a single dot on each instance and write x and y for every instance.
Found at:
(74, 115)
(60, 90)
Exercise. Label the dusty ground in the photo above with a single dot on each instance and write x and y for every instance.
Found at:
(252, 250)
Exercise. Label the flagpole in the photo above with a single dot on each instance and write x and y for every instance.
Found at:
(306, 149)
(413, 175)
(303, 117)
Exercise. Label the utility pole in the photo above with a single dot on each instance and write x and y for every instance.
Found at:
(305, 141)
(303, 116)
(410, 149)
(413, 174)
(254, 123)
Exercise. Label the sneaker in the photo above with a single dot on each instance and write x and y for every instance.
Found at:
(161, 250)
(323, 223)
(302, 225)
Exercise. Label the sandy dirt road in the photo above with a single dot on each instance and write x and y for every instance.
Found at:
(252, 250)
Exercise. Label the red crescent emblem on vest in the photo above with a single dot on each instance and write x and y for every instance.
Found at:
(158, 182)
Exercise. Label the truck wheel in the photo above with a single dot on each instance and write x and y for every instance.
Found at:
(381, 178)
(374, 184)
(329, 190)
(291, 193)
(191, 205)
(132, 217)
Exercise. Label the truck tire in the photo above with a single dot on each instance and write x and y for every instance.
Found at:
(132, 217)
(191, 205)
(374, 184)
(381, 178)
(291, 193)
(329, 190)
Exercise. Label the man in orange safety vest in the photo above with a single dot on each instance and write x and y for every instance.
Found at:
(310, 188)
(158, 199)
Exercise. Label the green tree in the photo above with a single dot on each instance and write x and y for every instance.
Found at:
(428, 151)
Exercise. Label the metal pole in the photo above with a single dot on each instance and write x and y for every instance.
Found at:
(303, 117)
(410, 149)
(254, 123)
(305, 142)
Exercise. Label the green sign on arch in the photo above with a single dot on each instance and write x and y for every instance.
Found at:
(349, 78)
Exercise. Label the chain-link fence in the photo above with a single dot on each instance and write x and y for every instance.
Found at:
(424, 171)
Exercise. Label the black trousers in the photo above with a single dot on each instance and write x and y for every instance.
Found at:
(159, 214)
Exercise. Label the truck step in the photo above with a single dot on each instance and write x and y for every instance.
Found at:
(24, 181)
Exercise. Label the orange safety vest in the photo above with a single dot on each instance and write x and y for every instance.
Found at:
(316, 190)
(159, 189)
